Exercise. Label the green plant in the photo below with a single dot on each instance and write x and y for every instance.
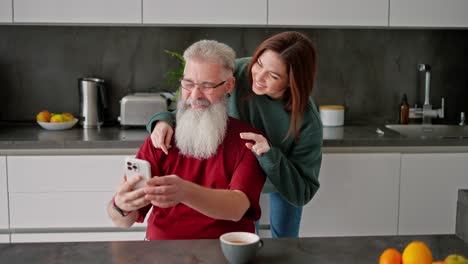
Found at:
(173, 76)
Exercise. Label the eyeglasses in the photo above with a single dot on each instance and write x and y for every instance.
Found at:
(204, 87)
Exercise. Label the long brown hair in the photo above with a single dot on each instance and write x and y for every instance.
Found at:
(298, 53)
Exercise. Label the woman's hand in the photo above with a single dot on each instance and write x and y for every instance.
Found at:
(129, 199)
(162, 135)
(165, 191)
(261, 143)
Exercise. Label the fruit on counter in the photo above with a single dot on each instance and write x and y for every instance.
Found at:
(417, 252)
(43, 116)
(46, 116)
(455, 259)
(390, 256)
(439, 262)
(57, 118)
(67, 117)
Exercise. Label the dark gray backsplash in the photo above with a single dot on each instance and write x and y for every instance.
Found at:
(367, 70)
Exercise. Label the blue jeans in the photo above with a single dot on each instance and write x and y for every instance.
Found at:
(285, 218)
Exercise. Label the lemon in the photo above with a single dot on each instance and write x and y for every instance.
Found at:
(57, 118)
(67, 117)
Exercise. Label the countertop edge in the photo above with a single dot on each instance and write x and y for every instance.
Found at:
(397, 149)
(32, 140)
(325, 150)
(48, 152)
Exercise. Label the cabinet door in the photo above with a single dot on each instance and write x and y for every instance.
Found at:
(6, 11)
(358, 196)
(73, 11)
(60, 210)
(4, 238)
(42, 174)
(240, 12)
(67, 191)
(428, 13)
(3, 195)
(328, 12)
(77, 237)
(428, 192)
(264, 221)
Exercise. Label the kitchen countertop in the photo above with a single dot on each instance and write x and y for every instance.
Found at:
(16, 138)
(362, 250)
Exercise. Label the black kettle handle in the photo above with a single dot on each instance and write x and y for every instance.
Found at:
(102, 93)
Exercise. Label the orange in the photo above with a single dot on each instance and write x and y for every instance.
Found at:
(390, 256)
(43, 116)
(417, 252)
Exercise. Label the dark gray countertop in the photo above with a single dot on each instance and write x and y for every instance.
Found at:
(32, 137)
(27, 136)
(362, 250)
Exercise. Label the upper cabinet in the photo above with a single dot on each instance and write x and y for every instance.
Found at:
(328, 12)
(428, 13)
(6, 11)
(205, 12)
(303, 13)
(73, 11)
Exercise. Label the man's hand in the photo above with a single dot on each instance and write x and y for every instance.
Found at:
(261, 143)
(162, 135)
(129, 199)
(165, 191)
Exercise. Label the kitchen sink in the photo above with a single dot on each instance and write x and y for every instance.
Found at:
(430, 131)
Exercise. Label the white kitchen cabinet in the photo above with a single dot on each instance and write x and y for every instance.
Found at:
(358, 196)
(428, 192)
(62, 193)
(428, 13)
(4, 238)
(60, 210)
(77, 237)
(3, 195)
(73, 11)
(205, 12)
(328, 12)
(45, 174)
(264, 220)
(6, 11)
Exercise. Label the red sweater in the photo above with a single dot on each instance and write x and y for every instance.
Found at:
(233, 167)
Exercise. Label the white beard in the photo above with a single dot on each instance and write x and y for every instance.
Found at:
(199, 132)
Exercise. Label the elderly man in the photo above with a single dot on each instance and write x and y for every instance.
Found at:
(209, 183)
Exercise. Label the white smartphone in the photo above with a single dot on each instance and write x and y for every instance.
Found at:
(137, 167)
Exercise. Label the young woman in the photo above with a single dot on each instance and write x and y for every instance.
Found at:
(273, 93)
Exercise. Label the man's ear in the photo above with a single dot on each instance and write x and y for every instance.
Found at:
(231, 83)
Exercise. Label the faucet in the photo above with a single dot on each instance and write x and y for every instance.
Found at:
(426, 112)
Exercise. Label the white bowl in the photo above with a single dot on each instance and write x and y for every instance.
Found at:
(58, 125)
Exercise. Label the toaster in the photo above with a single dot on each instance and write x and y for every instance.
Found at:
(138, 108)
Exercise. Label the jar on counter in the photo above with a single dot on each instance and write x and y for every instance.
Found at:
(332, 115)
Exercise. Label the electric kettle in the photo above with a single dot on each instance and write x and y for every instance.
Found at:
(92, 95)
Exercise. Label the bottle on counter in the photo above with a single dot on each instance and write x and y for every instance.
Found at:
(404, 110)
